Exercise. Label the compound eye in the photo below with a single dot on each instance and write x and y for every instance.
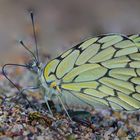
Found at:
(54, 86)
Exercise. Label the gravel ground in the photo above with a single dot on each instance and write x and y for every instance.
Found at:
(20, 120)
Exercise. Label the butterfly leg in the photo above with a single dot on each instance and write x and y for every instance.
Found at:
(8, 78)
(46, 101)
(64, 107)
(28, 89)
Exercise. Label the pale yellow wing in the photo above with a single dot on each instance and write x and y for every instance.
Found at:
(103, 70)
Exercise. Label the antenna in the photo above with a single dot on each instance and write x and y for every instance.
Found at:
(23, 45)
(35, 39)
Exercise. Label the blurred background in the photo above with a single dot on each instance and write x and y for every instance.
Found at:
(61, 24)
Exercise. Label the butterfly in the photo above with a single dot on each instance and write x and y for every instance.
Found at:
(103, 71)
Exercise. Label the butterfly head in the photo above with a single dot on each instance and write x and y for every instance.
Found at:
(34, 66)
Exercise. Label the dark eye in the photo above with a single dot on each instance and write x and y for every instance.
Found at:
(37, 63)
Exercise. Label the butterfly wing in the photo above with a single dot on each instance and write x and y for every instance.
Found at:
(136, 39)
(100, 71)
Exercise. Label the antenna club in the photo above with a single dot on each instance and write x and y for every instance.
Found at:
(35, 39)
(32, 15)
(21, 42)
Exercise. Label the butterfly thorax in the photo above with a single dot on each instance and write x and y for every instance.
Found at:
(51, 85)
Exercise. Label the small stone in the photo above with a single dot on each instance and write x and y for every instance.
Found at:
(17, 128)
(120, 123)
(121, 133)
(109, 132)
(116, 138)
(1, 100)
(117, 115)
(19, 138)
(25, 133)
(70, 137)
(87, 136)
(5, 138)
(40, 138)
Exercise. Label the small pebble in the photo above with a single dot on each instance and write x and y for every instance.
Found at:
(138, 138)
(121, 133)
(109, 132)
